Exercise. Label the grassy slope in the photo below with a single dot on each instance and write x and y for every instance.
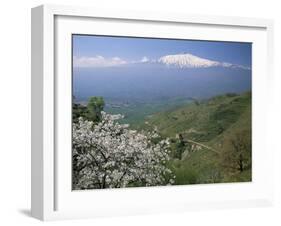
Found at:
(209, 123)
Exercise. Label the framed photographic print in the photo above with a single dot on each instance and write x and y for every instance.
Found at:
(141, 113)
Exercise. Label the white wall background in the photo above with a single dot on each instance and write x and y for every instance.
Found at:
(15, 112)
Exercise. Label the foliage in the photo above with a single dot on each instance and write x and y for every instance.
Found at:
(109, 155)
(95, 107)
(91, 112)
(185, 176)
(236, 151)
(180, 147)
(78, 110)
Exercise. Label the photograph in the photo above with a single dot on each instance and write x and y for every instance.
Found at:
(160, 112)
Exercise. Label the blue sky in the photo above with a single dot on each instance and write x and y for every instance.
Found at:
(122, 50)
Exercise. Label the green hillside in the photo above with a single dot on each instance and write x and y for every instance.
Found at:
(210, 140)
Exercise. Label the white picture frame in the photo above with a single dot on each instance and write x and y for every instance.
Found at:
(52, 197)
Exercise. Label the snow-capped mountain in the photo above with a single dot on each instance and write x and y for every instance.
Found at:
(190, 61)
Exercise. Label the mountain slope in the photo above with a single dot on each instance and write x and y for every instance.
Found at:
(202, 121)
(211, 123)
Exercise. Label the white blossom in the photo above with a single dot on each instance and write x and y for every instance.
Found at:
(110, 155)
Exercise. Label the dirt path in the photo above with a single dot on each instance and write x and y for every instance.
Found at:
(202, 145)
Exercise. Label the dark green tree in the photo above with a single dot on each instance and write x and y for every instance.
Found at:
(78, 110)
(180, 147)
(95, 106)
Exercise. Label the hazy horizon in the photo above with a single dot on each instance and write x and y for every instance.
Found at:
(147, 70)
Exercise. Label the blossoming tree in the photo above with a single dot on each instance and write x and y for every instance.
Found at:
(110, 155)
